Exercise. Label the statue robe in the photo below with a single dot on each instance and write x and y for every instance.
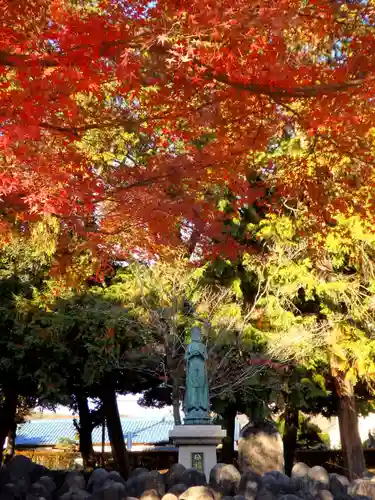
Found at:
(196, 395)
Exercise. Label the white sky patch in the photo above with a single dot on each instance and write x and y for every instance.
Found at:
(128, 406)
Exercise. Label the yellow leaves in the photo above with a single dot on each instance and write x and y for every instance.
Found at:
(339, 353)
(292, 277)
(360, 366)
(351, 376)
(320, 381)
(44, 235)
(352, 353)
(348, 242)
(279, 227)
(228, 312)
(236, 285)
(332, 288)
(107, 146)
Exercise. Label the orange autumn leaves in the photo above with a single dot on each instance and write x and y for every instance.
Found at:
(205, 86)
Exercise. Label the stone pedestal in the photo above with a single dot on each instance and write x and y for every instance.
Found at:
(197, 445)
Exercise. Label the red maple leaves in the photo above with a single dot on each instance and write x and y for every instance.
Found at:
(204, 86)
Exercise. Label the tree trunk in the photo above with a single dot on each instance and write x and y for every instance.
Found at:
(115, 433)
(354, 459)
(290, 438)
(7, 416)
(11, 444)
(103, 441)
(229, 417)
(176, 400)
(176, 412)
(173, 364)
(85, 431)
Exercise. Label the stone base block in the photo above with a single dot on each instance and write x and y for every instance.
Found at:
(197, 445)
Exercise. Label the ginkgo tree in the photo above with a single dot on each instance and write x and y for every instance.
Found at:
(319, 312)
(205, 86)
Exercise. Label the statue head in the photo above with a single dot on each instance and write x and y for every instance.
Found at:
(196, 334)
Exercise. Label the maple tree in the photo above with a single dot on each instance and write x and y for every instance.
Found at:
(196, 90)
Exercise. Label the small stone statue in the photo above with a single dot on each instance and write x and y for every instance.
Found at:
(196, 404)
(370, 442)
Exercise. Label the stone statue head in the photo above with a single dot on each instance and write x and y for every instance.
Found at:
(196, 334)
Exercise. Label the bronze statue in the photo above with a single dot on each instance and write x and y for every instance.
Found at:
(196, 403)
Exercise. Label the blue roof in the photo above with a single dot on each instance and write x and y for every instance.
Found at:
(49, 432)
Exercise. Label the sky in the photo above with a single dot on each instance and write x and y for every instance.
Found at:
(128, 406)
